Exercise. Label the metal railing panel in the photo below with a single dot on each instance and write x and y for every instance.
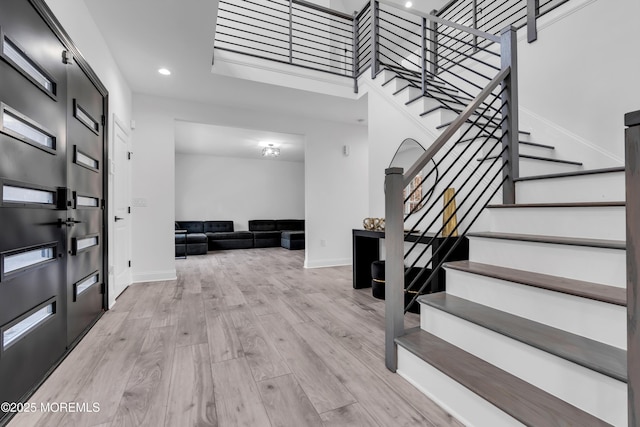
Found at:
(291, 31)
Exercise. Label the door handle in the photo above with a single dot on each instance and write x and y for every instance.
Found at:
(118, 219)
(71, 222)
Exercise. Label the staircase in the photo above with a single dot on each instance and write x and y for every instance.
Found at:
(532, 329)
(538, 311)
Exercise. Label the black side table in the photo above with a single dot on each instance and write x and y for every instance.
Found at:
(366, 249)
(184, 233)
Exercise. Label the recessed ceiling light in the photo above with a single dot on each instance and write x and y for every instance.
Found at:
(408, 4)
(164, 72)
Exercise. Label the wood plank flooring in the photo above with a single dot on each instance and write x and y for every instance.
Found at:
(242, 338)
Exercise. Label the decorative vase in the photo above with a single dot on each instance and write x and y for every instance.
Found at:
(449, 218)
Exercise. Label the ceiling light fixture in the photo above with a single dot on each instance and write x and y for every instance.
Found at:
(408, 4)
(164, 72)
(270, 151)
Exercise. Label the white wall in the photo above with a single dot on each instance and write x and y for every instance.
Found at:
(79, 24)
(388, 127)
(581, 75)
(226, 188)
(336, 186)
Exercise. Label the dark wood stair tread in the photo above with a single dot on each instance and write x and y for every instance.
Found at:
(408, 85)
(579, 288)
(542, 159)
(521, 400)
(561, 205)
(484, 137)
(535, 144)
(571, 174)
(608, 360)
(571, 241)
(490, 123)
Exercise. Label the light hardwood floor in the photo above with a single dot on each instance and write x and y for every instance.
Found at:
(242, 338)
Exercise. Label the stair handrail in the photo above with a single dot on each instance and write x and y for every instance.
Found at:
(396, 179)
(437, 145)
(433, 17)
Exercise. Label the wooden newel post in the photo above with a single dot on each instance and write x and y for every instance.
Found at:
(632, 178)
(375, 57)
(533, 10)
(394, 264)
(510, 132)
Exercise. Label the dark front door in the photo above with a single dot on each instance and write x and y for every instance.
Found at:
(33, 175)
(51, 199)
(85, 182)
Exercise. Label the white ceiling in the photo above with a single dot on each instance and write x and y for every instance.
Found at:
(198, 138)
(144, 35)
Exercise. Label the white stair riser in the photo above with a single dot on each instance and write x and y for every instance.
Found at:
(596, 320)
(459, 401)
(420, 106)
(598, 265)
(587, 222)
(384, 76)
(408, 94)
(597, 394)
(606, 187)
(438, 117)
(395, 85)
(533, 167)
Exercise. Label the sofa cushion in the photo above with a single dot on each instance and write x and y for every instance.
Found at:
(230, 244)
(266, 234)
(194, 249)
(266, 239)
(191, 226)
(218, 226)
(196, 238)
(233, 235)
(290, 224)
(262, 225)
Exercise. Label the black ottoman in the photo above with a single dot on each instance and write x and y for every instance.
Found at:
(196, 244)
(292, 240)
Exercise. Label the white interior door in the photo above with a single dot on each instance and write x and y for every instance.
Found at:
(121, 197)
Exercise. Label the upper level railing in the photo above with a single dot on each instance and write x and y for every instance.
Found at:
(492, 16)
(304, 34)
(289, 31)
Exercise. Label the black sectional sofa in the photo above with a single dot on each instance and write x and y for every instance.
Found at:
(269, 233)
(203, 236)
(221, 236)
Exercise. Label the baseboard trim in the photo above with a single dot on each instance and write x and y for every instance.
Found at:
(155, 276)
(340, 262)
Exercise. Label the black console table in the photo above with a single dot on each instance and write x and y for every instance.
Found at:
(366, 249)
